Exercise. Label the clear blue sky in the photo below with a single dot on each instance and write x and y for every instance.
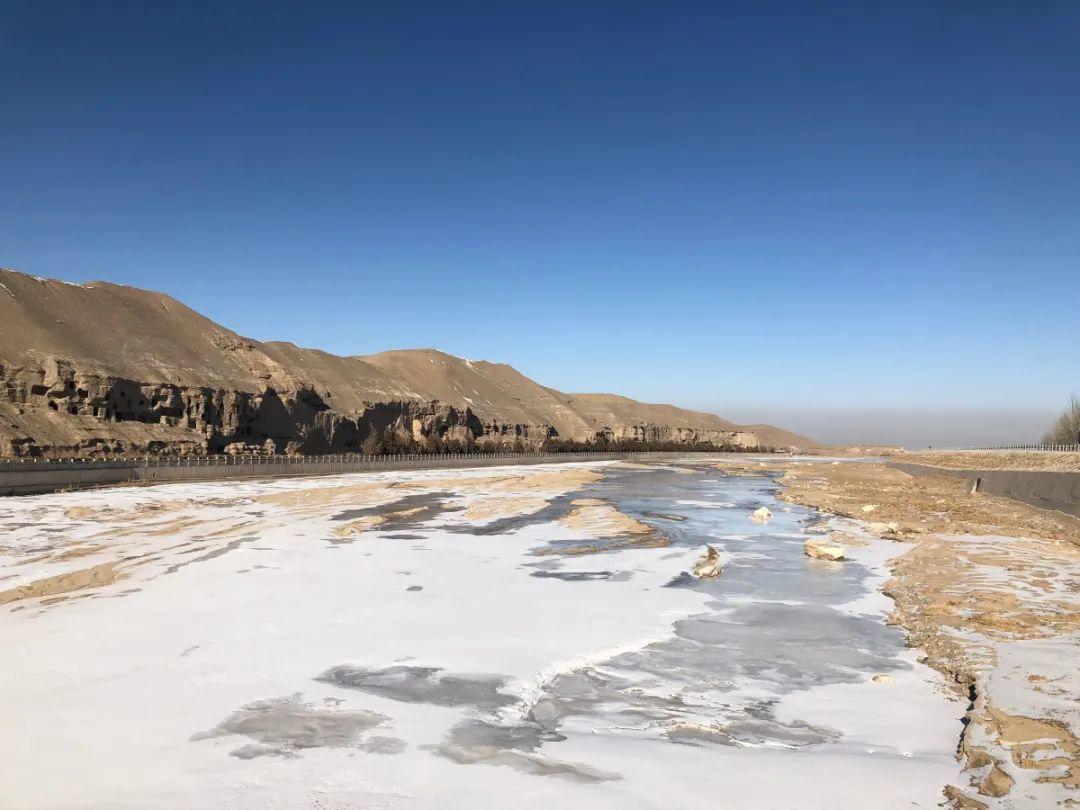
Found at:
(741, 207)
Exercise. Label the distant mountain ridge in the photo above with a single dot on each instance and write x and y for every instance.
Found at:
(103, 367)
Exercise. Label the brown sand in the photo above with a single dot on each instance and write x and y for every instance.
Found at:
(314, 499)
(505, 494)
(76, 551)
(599, 519)
(995, 460)
(369, 522)
(919, 504)
(557, 481)
(96, 577)
(499, 507)
(635, 465)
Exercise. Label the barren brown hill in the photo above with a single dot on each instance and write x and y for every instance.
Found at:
(102, 367)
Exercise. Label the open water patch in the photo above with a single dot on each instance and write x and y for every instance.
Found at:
(285, 726)
(419, 684)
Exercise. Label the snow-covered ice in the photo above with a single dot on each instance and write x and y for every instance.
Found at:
(252, 656)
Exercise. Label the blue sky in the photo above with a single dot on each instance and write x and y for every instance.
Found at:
(789, 209)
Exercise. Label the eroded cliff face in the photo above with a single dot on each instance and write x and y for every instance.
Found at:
(57, 408)
(650, 432)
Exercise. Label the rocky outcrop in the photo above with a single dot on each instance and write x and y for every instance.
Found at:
(64, 410)
(823, 549)
(710, 565)
(58, 407)
(649, 432)
(761, 515)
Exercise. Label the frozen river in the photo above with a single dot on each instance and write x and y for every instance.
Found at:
(525, 637)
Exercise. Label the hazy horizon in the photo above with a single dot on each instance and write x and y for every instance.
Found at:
(910, 429)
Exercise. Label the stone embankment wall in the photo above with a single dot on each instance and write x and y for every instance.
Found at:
(34, 476)
(1042, 488)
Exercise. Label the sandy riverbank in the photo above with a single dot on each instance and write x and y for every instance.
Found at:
(989, 594)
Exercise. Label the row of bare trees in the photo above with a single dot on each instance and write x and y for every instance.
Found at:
(630, 445)
(388, 442)
(1067, 428)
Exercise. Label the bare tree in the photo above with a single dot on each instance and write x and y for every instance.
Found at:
(373, 444)
(1067, 428)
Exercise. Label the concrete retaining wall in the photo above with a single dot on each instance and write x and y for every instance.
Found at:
(37, 476)
(1043, 488)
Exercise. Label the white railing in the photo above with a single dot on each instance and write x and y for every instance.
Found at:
(238, 460)
(1040, 448)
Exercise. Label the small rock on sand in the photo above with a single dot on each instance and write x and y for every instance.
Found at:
(997, 783)
(882, 679)
(884, 528)
(761, 515)
(823, 549)
(870, 507)
(709, 565)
